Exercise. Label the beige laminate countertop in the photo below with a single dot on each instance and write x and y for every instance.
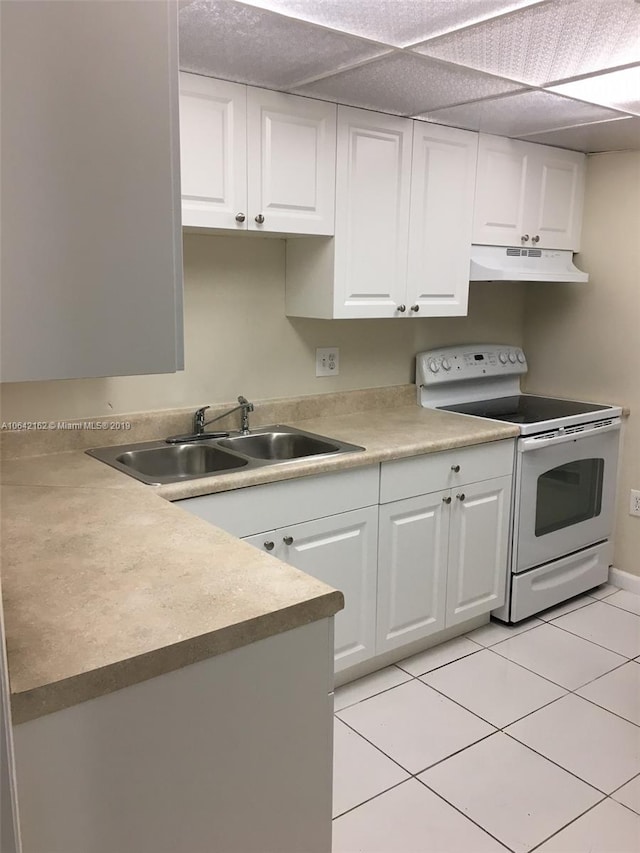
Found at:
(106, 583)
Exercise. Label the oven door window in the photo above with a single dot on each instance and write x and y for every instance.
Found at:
(569, 494)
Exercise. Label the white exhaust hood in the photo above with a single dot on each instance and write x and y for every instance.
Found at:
(503, 263)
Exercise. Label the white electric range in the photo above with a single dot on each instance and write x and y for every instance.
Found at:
(564, 477)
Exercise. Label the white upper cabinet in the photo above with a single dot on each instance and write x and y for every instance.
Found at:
(528, 195)
(404, 207)
(255, 160)
(291, 146)
(213, 152)
(92, 248)
(372, 213)
(441, 219)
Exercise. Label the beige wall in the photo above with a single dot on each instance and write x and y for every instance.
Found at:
(239, 341)
(582, 340)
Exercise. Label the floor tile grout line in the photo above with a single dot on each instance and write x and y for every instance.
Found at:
(460, 812)
(602, 707)
(517, 719)
(574, 610)
(570, 689)
(623, 784)
(607, 648)
(370, 799)
(442, 665)
(373, 695)
(375, 746)
(572, 821)
(552, 761)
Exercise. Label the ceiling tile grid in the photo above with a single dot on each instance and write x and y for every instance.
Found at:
(537, 69)
(405, 85)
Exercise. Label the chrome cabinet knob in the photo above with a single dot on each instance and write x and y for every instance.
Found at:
(401, 308)
(288, 540)
(415, 308)
(455, 468)
(525, 238)
(446, 500)
(535, 239)
(259, 219)
(461, 496)
(240, 217)
(269, 545)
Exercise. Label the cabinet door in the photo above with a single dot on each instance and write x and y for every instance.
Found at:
(478, 543)
(556, 198)
(442, 192)
(372, 213)
(501, 187)
(91, 271)
(291, 163)
(213, 152)
(412, 570)
(341, 550)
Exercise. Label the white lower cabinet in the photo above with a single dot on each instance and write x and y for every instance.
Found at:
(478, 542)
(416, 545)
(339, 550)
(442, 558)
(412, 570)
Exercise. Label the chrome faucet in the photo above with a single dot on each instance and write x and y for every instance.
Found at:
(199, 423)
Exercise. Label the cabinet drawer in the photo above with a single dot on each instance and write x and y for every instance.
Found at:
(419, 475)
(244, 512)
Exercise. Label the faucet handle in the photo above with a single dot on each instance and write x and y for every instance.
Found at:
(198, 419)
(244, 402)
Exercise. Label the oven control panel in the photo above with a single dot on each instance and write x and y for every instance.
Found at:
(468, 363)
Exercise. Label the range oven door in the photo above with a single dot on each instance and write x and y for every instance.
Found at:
(565, 492)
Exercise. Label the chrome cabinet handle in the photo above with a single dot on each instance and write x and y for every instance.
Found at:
(259, 219)
(455, 468)
(240, 217)
(446, 500)
(535, 239)
(415, 308)
(525, 238)
(288, 540)
(401, 308)
(461, 496)
(269, 545)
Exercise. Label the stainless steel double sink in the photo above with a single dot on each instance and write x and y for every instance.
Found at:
(156, 462)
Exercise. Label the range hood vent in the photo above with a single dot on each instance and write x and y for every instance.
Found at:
(512, 263)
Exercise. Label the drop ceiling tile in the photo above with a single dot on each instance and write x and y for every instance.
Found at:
(619, 89)
(521, 114)
(223, 39)
(621, 135)
(394, 22)
(405, 84)
(548, 43)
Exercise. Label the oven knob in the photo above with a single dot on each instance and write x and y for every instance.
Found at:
(521, 357)
(503, 357)
(433, 365)
(446, 364)
(512, 357)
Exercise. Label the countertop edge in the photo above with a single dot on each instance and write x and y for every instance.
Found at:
(49, 698)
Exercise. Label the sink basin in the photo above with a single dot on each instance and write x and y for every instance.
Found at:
(169, 463)
(279, 445)
(156, 462)
(180, 460)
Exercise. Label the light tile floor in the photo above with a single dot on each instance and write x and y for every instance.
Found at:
(513, 738)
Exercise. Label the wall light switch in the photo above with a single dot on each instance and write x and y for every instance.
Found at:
(327, 361)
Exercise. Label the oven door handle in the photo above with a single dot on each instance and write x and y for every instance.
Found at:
(540, 442)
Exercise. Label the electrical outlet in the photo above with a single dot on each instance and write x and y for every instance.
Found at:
(634, 503)
(327, 361)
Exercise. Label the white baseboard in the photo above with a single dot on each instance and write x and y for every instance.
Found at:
(625, 580)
